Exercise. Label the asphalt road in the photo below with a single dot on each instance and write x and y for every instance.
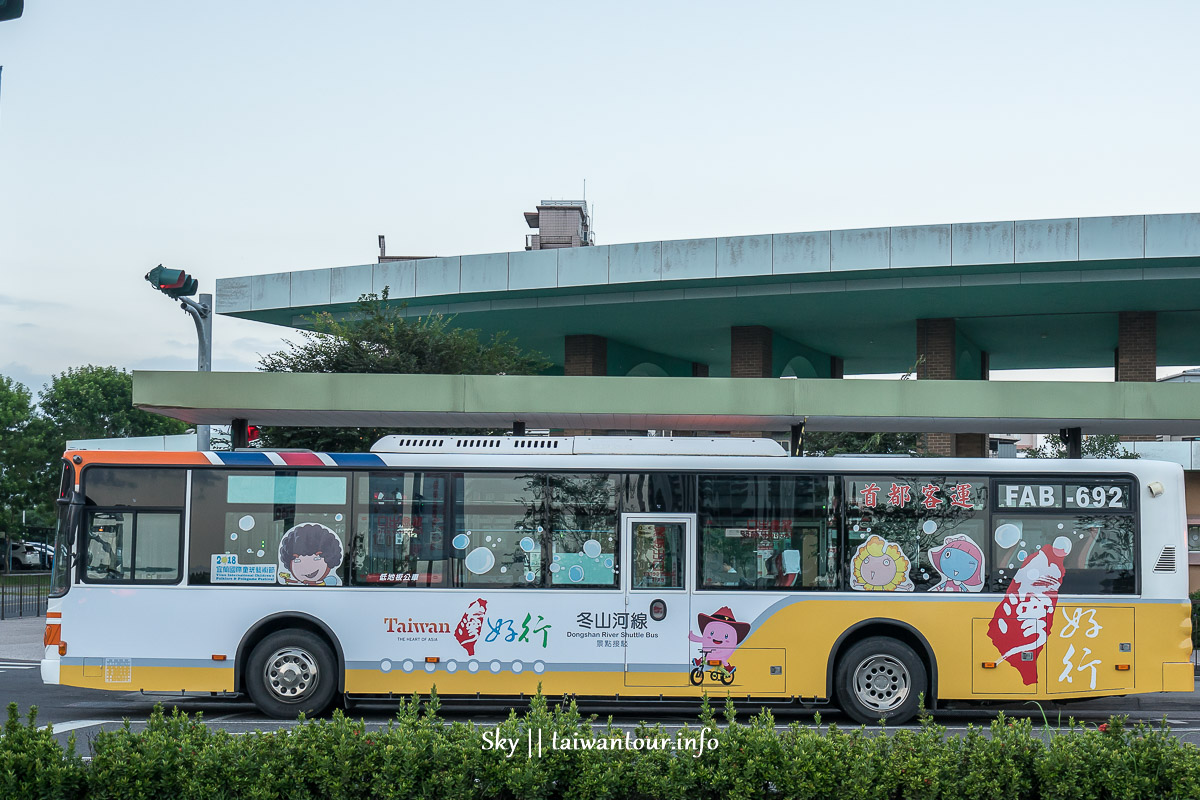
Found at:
(87, 711)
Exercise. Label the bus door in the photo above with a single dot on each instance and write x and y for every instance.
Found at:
(657, 555)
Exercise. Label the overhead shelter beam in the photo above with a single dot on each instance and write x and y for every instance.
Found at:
(642, 403)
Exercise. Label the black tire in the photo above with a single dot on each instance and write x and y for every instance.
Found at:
(697, 676)
(880, 678)
(726, 678)
(292, 671)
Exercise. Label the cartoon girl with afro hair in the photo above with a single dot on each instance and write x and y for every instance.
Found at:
(309, 555)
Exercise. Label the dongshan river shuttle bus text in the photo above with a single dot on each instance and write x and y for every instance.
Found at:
(602, 567)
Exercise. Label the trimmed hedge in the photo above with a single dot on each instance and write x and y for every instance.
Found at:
(419, 755)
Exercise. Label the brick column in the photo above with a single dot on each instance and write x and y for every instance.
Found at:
(1137, 345)
(750, 352)
(585, 354)
(935, 341)
(1137, 352)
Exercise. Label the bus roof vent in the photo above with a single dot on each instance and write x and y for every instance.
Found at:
(580, 445)
(1166, 560)
(676, 446)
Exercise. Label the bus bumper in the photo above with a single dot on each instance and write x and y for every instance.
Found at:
(1179, 677)
(50, 670)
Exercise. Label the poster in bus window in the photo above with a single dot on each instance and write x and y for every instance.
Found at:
(1024, 619)
(880, 566)
(959, 560)
(309, 555)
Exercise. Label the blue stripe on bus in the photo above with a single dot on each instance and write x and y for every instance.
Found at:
(245, 459)
(356, 459)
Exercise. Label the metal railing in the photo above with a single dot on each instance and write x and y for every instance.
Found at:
(24, 595)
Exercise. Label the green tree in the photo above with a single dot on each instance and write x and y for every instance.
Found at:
(18, 467)
(834, 443)
(1098, 446)
(86, 402)
(96, 402)
(375, 339)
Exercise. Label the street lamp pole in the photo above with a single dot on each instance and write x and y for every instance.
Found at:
(201, 314)
(177, 284)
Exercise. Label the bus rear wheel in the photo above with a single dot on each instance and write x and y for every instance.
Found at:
(880, 678)
(289, 672)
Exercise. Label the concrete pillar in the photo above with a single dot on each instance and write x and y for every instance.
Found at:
(585, 354)
(750, 352)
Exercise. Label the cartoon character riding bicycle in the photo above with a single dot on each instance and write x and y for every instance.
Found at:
(720, 636)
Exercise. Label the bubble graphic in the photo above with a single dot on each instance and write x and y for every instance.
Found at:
(337, 517)
(527, 544)
(591, 548)
(529, 577)
(1022, 555)
(249, 549)
(539, 529)
(479, 560)
(1063, 543)
(261, 553)
(608, 562)
(555, 567)
(1010, 566)
(1022, 543)
(233, 536)
(1007, 535)
(504, 569)
(929, 526)
(246, 523)
(1060, 526)
(557, 557)
(855, 527)
(487, 538)
(575, 573)
(461, 541)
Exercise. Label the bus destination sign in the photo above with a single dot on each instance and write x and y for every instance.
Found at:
(1070, 496)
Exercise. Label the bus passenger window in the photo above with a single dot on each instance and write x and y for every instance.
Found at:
(499, 530)
(400, 536)
(583, 531)
(268, 527)
(768, 533)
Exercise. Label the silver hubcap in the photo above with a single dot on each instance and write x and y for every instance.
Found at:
(291, 674)
(882, 683)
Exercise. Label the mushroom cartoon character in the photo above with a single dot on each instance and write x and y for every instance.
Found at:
(720, 634)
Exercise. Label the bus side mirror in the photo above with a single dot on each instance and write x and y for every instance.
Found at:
(11, 9)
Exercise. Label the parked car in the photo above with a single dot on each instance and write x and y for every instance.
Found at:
(28, 555)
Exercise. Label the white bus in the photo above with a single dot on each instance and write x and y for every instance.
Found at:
(605, 567)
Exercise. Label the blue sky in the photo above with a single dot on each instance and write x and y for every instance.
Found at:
(245, 138)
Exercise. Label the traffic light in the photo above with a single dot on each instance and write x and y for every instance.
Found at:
(172, 282)
(11, 9)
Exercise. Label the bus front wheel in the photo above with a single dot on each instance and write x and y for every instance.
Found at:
(880, 678)
(291, 671)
